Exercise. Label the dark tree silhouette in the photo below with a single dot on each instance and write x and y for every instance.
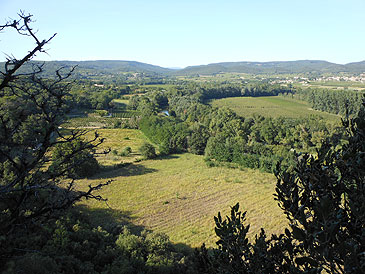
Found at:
(31, 111)
(324, 201)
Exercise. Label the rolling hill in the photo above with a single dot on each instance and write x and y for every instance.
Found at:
(280, 67)
(114, 67)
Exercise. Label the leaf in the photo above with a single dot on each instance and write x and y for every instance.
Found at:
(287, 233)
(306, 260)
(298, 233)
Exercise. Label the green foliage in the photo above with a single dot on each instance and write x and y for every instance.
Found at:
(323, 199)
(219, 133)
(236, 254)
(324, 202)
(31, 190)
(102, 113)
(71, 245)
(197, 139)
(126, 151)
(148, 151)
(167, 132)
(333, 101)
(72, 160)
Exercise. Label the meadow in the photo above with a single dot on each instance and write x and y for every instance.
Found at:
(178, 194)
(271, 106)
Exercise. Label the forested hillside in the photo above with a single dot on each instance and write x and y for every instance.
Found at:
(116, 67)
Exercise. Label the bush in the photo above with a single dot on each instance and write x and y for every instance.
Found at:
(102, 113)
(126, 151)
(148, 151)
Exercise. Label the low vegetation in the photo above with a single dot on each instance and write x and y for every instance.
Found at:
(271, 106)
(179, 195)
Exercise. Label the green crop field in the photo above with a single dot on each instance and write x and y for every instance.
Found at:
(271, 106)
(179, 195)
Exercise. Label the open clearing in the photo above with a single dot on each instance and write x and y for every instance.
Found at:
(117, 140)
(179, 195)
(271, 106)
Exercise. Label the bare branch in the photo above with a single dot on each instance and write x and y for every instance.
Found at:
(13, 64)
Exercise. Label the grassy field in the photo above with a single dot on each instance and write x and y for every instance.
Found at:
(271, 106)
(121, 101)
(179, 195)
(117, 140)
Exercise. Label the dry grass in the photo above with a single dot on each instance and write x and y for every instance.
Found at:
(180, 195)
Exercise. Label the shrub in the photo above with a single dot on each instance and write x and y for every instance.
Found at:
(126, 151)
(102, 113)
(148, 151)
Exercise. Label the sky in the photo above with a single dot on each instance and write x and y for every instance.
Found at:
(173, 33)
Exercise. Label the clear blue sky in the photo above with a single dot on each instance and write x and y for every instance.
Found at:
(192, 32)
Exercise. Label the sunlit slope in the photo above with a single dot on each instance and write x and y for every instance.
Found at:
(271, 106)
(179, 195)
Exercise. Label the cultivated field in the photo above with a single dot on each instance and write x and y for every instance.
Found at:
(179, 195)
(271, 106)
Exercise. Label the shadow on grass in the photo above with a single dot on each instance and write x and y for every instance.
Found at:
(166, 157)
(123, 170)
(113, 220)
(107, 218)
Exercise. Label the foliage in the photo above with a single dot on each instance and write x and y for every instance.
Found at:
(223, 136)
(70, 244)
(148, 151)
(167, 132)
(324, 202)
(31, 111)
(236, 254)
(323, 199)
(126, 151)
(74, 160)
(334, 101)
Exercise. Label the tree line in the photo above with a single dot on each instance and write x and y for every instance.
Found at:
(223, 136)
(340, 102)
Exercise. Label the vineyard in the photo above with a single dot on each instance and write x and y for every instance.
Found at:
(125, 114)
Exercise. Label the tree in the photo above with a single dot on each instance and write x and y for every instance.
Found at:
(324, 201)
(148, 151)
(75, 159)
(31, 111)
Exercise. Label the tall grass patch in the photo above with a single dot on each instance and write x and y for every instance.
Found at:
(179, 195)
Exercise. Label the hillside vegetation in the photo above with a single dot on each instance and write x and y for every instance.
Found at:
(116, 67)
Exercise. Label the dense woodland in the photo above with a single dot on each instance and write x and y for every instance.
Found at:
(319, 168)
(341, 102)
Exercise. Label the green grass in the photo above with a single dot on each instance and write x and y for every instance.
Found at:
(179, 195)
(121, 101)
(271, 106)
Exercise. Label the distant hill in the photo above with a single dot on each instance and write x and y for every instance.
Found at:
(114, 67)
(98, 68)
(281, 67)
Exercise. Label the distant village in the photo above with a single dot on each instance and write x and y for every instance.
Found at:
(305, 80)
